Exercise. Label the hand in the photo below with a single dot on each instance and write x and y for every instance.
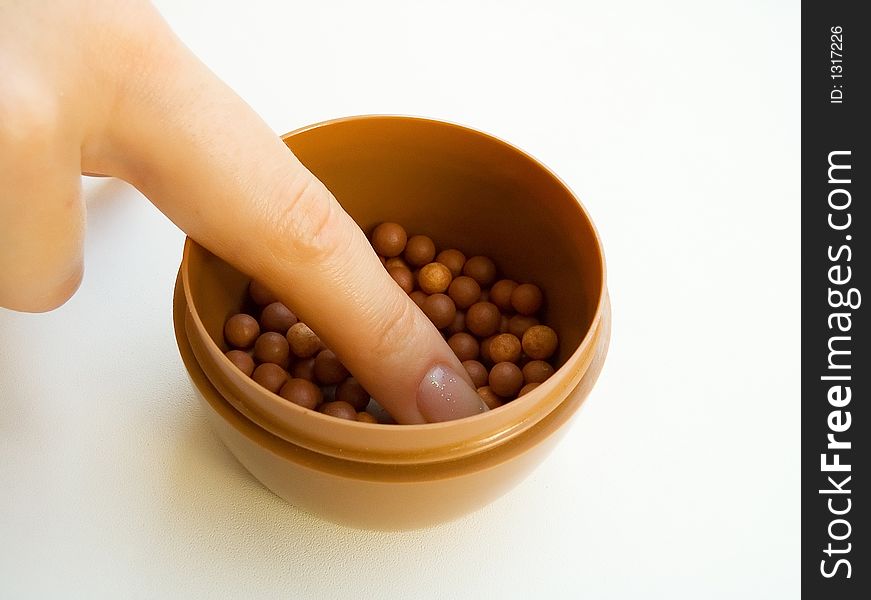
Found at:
(105, 87)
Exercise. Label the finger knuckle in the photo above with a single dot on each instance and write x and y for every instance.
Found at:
(27, 117)
(395, 324)
(306, 220)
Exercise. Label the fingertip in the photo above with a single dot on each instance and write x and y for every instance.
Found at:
(444, 395)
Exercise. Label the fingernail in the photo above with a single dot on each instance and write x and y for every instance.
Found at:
(444, 396)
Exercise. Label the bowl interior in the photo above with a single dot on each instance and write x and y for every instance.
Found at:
(463, 188)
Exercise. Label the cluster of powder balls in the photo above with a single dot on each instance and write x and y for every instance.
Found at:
(491, 325)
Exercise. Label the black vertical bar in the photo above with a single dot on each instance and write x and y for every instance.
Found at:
(835, 363)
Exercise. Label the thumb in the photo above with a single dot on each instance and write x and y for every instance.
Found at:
(217, 170)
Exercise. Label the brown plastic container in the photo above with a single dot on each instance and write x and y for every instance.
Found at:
(466, 190)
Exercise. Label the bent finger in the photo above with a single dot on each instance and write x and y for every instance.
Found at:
(218, 171)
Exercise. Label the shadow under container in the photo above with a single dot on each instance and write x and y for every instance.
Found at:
(466, 190)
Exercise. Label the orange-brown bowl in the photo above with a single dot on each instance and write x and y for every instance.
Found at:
(467, 190)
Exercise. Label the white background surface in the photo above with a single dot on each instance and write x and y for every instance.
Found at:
(678, 126)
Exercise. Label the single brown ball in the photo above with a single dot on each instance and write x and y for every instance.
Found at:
(505, 379)
(272, 347)
(304, 369)
(270, 376)
(518, 324)
(483, 318)
(485, 351)
(464, 291)
(527, 388)
(527, 298)
(481, 269)
(241, 330)
(389, 239)
(464, 345)
(353, 393)
(537, 371)
(365, 417)
(303, 393)
(418, 297)
(440, 309)
(500, 294)
(340, 410)
(505, 348)
(277, 317)
(303, 341)
(328, 368)
(434, 278)
(477, 372)
(242, 361)
(396, 261)
(458, 325)
(403, 278)
(453, 260)
(489, 397)
(540, 342)
(419, 251)
(260, 294)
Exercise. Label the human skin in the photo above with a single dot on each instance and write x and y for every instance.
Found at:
(105, 87)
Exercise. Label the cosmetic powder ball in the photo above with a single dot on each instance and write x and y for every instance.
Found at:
(527, 388)
(303, 341)
(477, 372)
(483, 319)
(505, 379)
(396, 261)
(500, 293)
(241, 331)
(304, 369)
(434, 278)
(277, 317)
(465, 346)
(539, 342)
(537, 371)
(353, 393)
(272, 347)
(340, 410)
(458, 325)
(242, 360)
(389, 239)
(453, 259)
(440, 309)
(489, 397)
(527, 299)
(418, 297)
(485, 350)
(481, 269)
(518, 324)
(328, 369)
(403, 278)
(505, 347)
(419, 251)
(464, 291)
(302, 392)
(364, 417)
(270, 376)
